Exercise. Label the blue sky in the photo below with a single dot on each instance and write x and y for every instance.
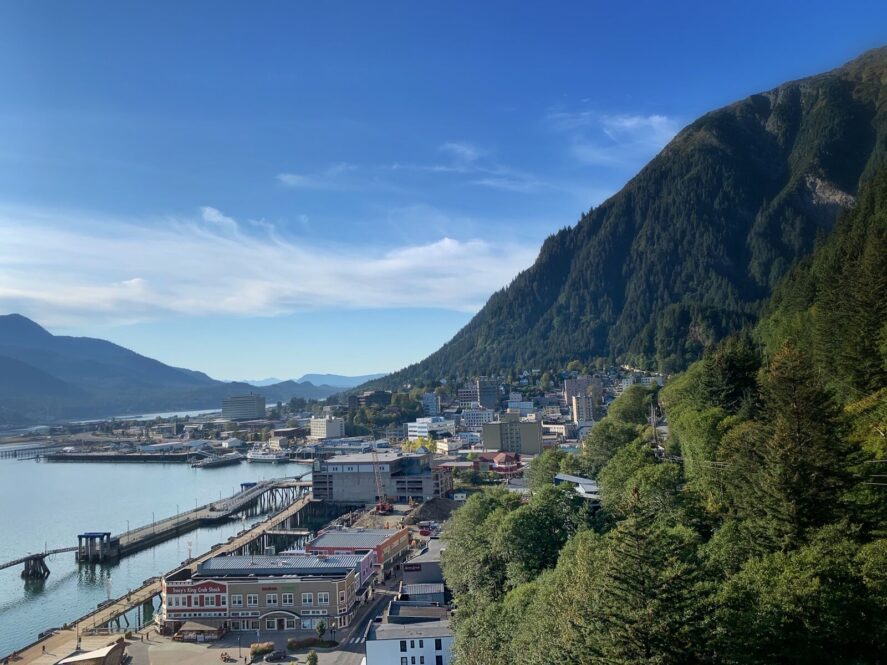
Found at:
(273, 188)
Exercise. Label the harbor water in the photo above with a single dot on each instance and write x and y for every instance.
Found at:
(44, 505)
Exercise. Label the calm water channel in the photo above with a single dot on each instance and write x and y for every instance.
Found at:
(48, 504)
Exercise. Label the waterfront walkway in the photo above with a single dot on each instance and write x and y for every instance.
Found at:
(56, 643)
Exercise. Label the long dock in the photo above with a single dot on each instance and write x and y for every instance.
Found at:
(102, 545)
(88, 623)
(98, 546)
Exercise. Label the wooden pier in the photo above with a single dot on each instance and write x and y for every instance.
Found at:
(97, 621)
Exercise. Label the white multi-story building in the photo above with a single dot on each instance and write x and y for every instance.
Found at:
(428, 642)
(475, 416)
(433, 427)
(328, 427)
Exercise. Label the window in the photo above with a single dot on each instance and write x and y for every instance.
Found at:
(252, 600)
(412, 644)
(291, 624)
(288, 599)
(341, 597)
(421, 644)
(210, 601)
(403, 645)
(223, 601)
(438, 644)
(421, 658)
(438, 660)
(403, 660)
(270, 624)
(237, 600)
(271, 599)
(235, 625)
(323, 598)
(412, 659)
(307, 599)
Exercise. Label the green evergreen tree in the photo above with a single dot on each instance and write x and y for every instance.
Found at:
(650, 599)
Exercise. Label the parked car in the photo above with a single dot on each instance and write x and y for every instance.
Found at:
(276, 656)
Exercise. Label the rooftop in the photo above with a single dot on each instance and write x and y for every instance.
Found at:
(356, 538)
(284, 564)
(367, 458)
(400, 631)
(421, 589)
(431, 553)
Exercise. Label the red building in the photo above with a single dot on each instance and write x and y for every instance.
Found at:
(390, 545)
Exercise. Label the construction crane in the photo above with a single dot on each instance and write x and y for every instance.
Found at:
(383, 506)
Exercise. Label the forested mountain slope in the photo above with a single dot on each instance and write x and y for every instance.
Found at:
(688, 250)
(758, 536)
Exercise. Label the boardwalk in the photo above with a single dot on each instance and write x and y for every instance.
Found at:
(152, 588)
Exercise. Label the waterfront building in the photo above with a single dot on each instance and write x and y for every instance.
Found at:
(388, 546)
(433, 427)
(283, 592)
(243, 407)
(328, 427)
(431, 404)
(352, 478)
(515, 435)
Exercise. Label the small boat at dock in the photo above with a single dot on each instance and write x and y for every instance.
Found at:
(267, 456)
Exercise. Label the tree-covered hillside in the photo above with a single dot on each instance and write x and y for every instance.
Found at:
(758, 536)
(691, 247)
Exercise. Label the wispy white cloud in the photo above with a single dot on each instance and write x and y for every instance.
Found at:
(463, 151)
(68, 269)
(479, 167)
(615, 140)
(332, 177)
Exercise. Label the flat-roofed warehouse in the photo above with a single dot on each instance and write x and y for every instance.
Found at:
(352, 478)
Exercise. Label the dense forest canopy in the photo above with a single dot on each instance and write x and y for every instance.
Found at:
(758, 536)
(691, 247)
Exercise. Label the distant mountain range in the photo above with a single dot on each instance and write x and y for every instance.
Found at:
(334, 380)
(46, 377)
(338, 380)
(691, 247)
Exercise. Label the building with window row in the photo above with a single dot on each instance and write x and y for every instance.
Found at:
(284, 592)
(243, 407)
(352, 479)
(389, 546)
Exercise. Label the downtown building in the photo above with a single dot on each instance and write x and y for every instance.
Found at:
(269, 593)
(513, 434)
(243, 407)
(351, 479)
(328, 427)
